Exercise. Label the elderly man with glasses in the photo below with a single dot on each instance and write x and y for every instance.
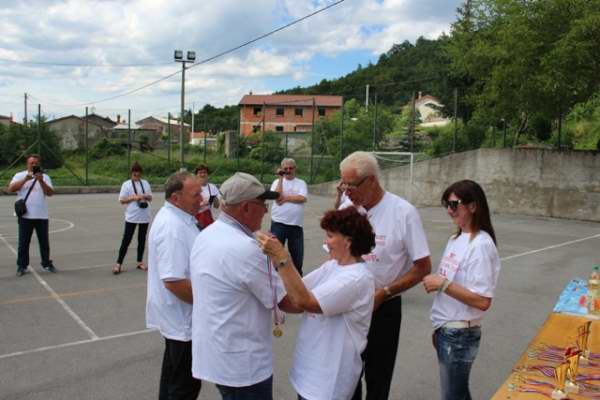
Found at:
(287, 213)
(398, 262)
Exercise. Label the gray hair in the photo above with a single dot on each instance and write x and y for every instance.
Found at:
(289, 161)
(175, 182)
(364, 163)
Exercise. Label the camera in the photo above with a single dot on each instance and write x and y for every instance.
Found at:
(143, 204)
(36, 169)
(211, 199)
(281, 172)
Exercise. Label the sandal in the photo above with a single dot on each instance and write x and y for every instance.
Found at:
(141, 266)
(116, 269)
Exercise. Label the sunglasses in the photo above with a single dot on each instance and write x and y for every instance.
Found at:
(453, 204)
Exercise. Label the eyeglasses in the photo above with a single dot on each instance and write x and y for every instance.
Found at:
(353, 186)
(453, 204)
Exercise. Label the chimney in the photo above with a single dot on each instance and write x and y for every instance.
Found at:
(250, 93)
(118, 119)
(420, 93)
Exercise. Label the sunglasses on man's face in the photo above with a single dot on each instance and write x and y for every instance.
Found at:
(453, 204)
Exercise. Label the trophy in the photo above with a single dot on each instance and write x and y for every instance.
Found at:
(583, 333)
(571, 384)
(560, 376)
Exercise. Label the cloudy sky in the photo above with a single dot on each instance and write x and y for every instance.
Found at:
(70, 54)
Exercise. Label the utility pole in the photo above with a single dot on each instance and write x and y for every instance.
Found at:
(413, 122)
(193, 111)
(312, 140)
(191, 58)
(25, 114)
(169, 139)
(39, 129)
(375, 126)
(455, 120)
(87, 162)
(367, 98)
(128, 139)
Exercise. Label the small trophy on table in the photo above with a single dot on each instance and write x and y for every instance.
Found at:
(571, 385)
(560, 376)
(583, 333)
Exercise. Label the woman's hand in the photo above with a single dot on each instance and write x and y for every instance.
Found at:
(432, 282)
(271, 246)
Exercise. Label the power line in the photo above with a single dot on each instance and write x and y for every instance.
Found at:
(53, 64)
(249, 42)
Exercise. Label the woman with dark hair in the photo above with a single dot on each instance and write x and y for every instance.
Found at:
(210, 197)
(137, 194)
(337, 302)
(464, 286)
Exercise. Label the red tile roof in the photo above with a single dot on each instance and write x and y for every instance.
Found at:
(291, 99)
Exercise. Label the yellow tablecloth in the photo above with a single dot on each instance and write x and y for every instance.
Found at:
(558, 330)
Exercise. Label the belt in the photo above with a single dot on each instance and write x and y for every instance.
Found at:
(462, 324)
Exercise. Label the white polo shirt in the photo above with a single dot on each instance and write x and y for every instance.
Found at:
(169, 245)
(473, 264)
(233, 307)
(327, 362)
(399, 238)
(290, 213)
(133, 212)
(37, 202)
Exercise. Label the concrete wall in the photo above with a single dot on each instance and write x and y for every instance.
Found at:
(522, 181)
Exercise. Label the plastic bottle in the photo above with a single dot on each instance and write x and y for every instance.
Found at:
(594, 291)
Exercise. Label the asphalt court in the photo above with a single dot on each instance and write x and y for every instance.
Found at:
(80, 334)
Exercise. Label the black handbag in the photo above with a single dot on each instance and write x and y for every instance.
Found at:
(20, 206)
(141, 204)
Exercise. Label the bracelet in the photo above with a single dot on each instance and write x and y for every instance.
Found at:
(444, 285)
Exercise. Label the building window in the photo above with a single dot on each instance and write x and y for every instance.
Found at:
(257, 110)
(321, 111)
(255, 128)
(279, 111)
(279, 128)
(299, 112)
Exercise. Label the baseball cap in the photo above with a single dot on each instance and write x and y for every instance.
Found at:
(242, 186)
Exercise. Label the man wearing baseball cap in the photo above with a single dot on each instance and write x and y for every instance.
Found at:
(236, 293)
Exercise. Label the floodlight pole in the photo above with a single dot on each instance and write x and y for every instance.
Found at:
(191, 57)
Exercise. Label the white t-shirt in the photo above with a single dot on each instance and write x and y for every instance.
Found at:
(233, 307)
(473, 264)
(169, 245)
(327, 362)
(290, 213)
(399, 238)
(208, 190)
(133, 212)
(37, 202)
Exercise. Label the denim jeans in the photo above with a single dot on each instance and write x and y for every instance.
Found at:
(26, 228)
(456, 350)
(259, 391)
(295, 237)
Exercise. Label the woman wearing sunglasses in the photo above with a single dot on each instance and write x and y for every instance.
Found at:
(464, 286)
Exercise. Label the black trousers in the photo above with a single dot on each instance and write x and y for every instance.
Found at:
(128, 235)
(26, 227)
(294, 235)
(380, 354)
(176, 380)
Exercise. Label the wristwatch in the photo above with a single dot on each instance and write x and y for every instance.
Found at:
(282, 263)
(387, 291)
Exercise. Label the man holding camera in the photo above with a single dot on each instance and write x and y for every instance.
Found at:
(34, 186)
(287, 213)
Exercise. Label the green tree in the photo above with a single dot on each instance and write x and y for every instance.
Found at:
(17, 138)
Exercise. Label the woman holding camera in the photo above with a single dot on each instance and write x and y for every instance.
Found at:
(137, 194)
(210, 197)
(464, 286)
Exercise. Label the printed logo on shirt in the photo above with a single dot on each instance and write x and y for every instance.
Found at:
(380, 240)
(371, 257)
(448, 266)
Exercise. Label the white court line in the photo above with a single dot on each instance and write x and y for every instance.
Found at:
(70, 225)
(549, 247)
(56, 297)
(70, 344)
(86, 267)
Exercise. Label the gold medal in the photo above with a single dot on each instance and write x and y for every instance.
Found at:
(277, 332)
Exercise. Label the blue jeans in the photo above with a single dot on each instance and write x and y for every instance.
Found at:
(295, 237)
(259, 391)
(456, 350)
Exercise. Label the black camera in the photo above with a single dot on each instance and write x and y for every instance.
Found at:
(143, 204)
(281, 172)
(211, 199)
(36, 169)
